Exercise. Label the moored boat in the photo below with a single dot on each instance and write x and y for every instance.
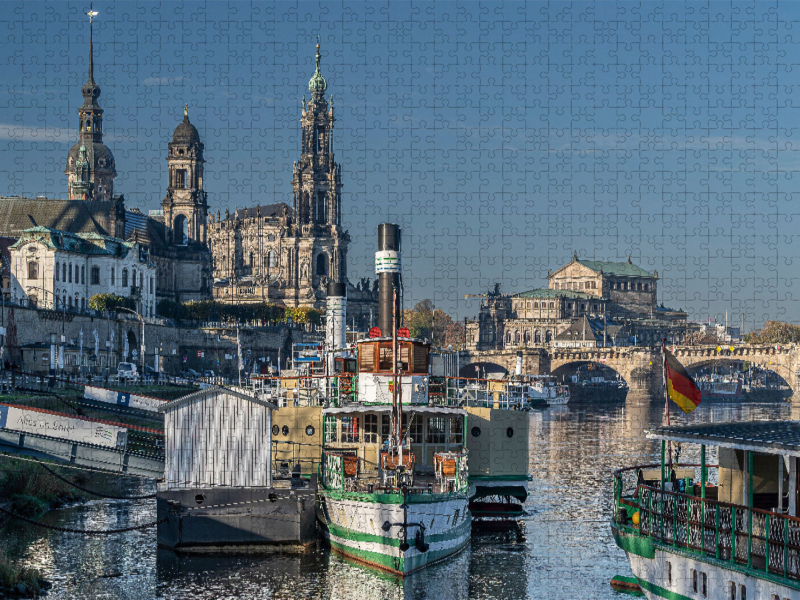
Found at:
(737, 538)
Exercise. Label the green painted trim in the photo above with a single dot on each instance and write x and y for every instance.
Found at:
(634, 544)
(390, 498)
(661, 592)
(724, 565)
(387, 540)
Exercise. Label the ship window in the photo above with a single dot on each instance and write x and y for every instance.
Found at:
(694, 580)
(349, 430)
(405, 350)
(371, 429)
(743, 592)
(385, 357)
(420, 358)
(329, 429)
(456, 430)
(669, 572)
(415, 430)
(436, 433)
(476, 432)
(386, 428)
(310, 430)
(733, 591)
(285, 430)
(705, 584)
(366, 358)
(510, 432)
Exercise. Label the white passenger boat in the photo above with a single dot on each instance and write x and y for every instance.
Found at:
(739, 539)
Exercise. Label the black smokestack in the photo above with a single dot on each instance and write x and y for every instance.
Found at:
(387, 266)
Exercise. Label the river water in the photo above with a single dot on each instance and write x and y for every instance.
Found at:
(562, 549)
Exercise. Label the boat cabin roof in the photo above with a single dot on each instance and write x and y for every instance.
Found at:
(382, 408)
(768, 437)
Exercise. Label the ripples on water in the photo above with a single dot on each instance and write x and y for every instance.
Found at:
(563, 548)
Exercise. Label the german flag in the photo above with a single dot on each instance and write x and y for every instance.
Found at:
(680, 386)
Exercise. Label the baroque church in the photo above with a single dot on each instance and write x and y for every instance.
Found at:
(287, 254)
(174, 238)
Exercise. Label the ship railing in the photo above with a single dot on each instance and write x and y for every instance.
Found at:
(346, 472)
(308, 390)
(760, 541)
(288, 455)
(471, 391)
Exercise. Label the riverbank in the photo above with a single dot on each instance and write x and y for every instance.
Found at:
(17, 581)
(26, 488)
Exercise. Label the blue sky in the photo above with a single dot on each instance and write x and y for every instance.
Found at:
(501, 136)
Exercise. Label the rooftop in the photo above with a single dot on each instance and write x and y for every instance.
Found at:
(771, 437)
(625, 269)
(548, 293)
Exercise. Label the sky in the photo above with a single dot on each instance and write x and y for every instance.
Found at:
(503, 137)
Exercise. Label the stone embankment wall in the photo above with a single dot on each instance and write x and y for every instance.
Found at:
(218, 346)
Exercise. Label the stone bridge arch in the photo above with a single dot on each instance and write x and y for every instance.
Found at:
(638, 366)
(782, 360)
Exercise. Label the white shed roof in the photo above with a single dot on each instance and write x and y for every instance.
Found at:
(210, 393)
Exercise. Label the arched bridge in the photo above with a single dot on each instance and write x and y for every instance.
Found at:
(641, 366)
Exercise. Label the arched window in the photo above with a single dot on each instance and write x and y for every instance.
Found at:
(95, 276)
(180, 230)
(152, 285)
(516, 337)
(77, 274)
(548, 336)
(113, 276)
(271, 260)
(64, 272)
(527, 337)
(537, 337)
(508, 337)
(322, 264)
(124, 277)
(69, 271)
(56, 271)
(535, 305)
(83, 274)
(252, 261)
(552, 305)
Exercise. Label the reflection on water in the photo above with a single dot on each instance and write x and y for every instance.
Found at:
(562, 545)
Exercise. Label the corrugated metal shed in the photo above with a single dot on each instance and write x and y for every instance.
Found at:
(771, 437)
(217, 438)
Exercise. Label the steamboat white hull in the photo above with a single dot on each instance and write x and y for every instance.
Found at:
(677, 582)
(353, 523)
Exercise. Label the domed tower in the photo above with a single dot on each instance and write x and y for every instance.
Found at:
(99, 159)
(185, 205)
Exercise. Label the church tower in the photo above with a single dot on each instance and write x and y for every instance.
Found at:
(98, 158)
(185, 205)
(317, 178)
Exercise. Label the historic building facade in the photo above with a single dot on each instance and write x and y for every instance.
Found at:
(54, 269)
(175, 240)
(587, 304)
(287, 254)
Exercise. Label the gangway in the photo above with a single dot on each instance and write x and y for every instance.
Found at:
(82, 441)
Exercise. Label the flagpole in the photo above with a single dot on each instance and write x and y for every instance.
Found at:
(666, 397)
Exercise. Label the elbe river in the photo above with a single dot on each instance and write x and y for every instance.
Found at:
(562, 549)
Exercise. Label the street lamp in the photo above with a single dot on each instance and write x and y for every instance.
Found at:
(130, 310)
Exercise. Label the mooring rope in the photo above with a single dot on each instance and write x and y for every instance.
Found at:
(81, 531)
(88, 491)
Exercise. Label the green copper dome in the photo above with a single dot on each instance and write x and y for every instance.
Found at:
(317, 84)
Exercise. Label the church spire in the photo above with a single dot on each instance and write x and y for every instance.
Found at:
(317, 85)
(90, 89)
(92, 14)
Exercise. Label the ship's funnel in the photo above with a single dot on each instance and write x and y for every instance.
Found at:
(336, 316)
(518, 366)
(387, 267)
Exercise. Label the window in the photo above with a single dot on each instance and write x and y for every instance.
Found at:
(113, 277)
(552, 305)
(33, 270)
(322, 264)
(456, 430)
(743, 592)
(349, 430)
(669, 573)
(152, 285)
(705, 584)
(95, 276)
(69, 270)
(646, 287)
(535, 305)
(371, 429)
(415, 431)
(77, 274)
(385, 358)
(56, 271)
(329, 429)
(271, 260)
(180, 178)
(733, 591)
(124, 277)
(63, 271)
(436, 431)
(33, 300)
(694, 580)
(83, 274)
(386, 428)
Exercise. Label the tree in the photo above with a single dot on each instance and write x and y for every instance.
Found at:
(699, 338)
(427, 321)
(110, 302)
(774, 332)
